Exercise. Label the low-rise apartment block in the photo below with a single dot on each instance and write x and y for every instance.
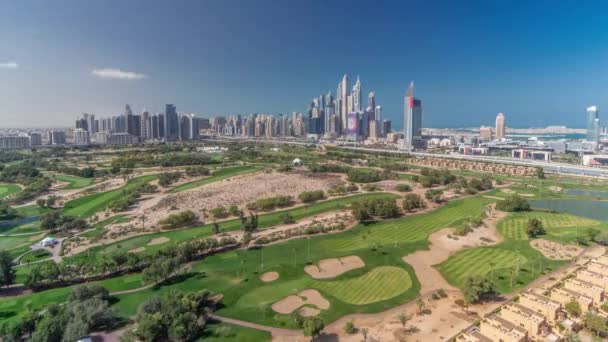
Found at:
(534, 323)
(547, 307)
(564, 296)
(499, 329)
(597, 267)
(585, 288)
(594, 278)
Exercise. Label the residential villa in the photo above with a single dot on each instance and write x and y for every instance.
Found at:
(534, 323)
(564, 296)
(602, 260)
(551, 309)
(499, 329)
(585, 288)
(597, 267)
(594, 278)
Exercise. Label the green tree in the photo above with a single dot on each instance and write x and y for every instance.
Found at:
(412, 202)
(349, 328)
(595, 323)
(513, 203)
(420, 304)
(571, 336)
(573, 308)
(312, 326)
(7, 271)
(535, 227)
(403, 319)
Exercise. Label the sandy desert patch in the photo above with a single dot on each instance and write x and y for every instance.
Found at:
(292, 303)
(554, 250)
(555, 188)
(331, 268)
(269, 276)
(527, 195)
(158, 241)
(307, 311)
(137, 250)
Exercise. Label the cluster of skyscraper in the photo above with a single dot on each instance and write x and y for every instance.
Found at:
(129, 128)
(344, 115)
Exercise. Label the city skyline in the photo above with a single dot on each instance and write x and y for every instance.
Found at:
(243, 68)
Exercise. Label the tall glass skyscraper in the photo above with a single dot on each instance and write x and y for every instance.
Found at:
(412, 119)
(593, 124)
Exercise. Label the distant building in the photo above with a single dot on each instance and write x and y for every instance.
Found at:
(81, 137)
(412, 119)
(485, 133)
(14, 142)
(500, 126)
(122, 139)
(596, 160)
(35, 138)
(593, 124)
(56, 137)
(531, 154)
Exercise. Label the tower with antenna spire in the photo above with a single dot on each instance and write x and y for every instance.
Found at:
(412, 119)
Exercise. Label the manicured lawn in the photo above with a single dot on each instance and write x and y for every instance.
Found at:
(515, 262)
(217, 176)
(8, 189)
(20, 226)
(74, 182)
(224, 332)
(90, 204)
(31, 210)
(514, 226)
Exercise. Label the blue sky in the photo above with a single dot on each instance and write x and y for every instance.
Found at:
(539, 62)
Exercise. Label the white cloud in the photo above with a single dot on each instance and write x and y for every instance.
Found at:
(9, 65)
(118, 74)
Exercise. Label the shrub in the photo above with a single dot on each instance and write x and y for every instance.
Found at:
(535, 228)
(219, 212)
(513, 203)
(403, 188)
(180, 219)
(380, 207)
(311, 196)
(413, 202)
(433, 195)
(349, 328)
(364, 176)
(271, 203)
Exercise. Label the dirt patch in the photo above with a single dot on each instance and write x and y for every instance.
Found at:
(554, 250)
(331, 268)
(527, 195)
(137, 250)
(158, 241)
(308, 311)
(555, 189)
(269, 276)
(507, 191)
(292, 303)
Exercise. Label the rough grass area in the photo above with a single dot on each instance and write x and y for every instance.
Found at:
(37, 255)
(74, 182)
(216, 332)
(90, 204)
(217, 176)
(99, 228)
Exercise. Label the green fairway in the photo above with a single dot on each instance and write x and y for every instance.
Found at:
(224, 332)
(265, 220)
(217, 176)
(8, 189)
(412, 228)
(381, 283)
(514, 226)
(74, 182)
(31, 210)
(37, 255)
(90, 204)
(20, 226)
(99, 228)
(514, 263)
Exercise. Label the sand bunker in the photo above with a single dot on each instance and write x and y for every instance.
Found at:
(269, 276)
(137, 250)
(308, 311)
(508, 191)
(555, 188)
(292, 303)
(331, 268)
(527, 195)
(554, 250)
(158, 241)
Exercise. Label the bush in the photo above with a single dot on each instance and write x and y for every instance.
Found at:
(380, 207)
(433, 195)
(311, 196)
(219, 212)
(403, 188)
(178, 220)
(193, 171)
(535, 228)
(513, 203)
(349, 328)
(413, 202)
(270, 203)
(167, 178)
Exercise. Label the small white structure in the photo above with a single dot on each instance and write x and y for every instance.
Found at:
(85, 339)
(48, 242)
(297, 162)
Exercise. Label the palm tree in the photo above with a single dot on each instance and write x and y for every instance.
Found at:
(492, 265)
(420, 303)
(403, 319)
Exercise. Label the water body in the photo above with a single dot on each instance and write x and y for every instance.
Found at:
(597, 210)
(587, 193)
